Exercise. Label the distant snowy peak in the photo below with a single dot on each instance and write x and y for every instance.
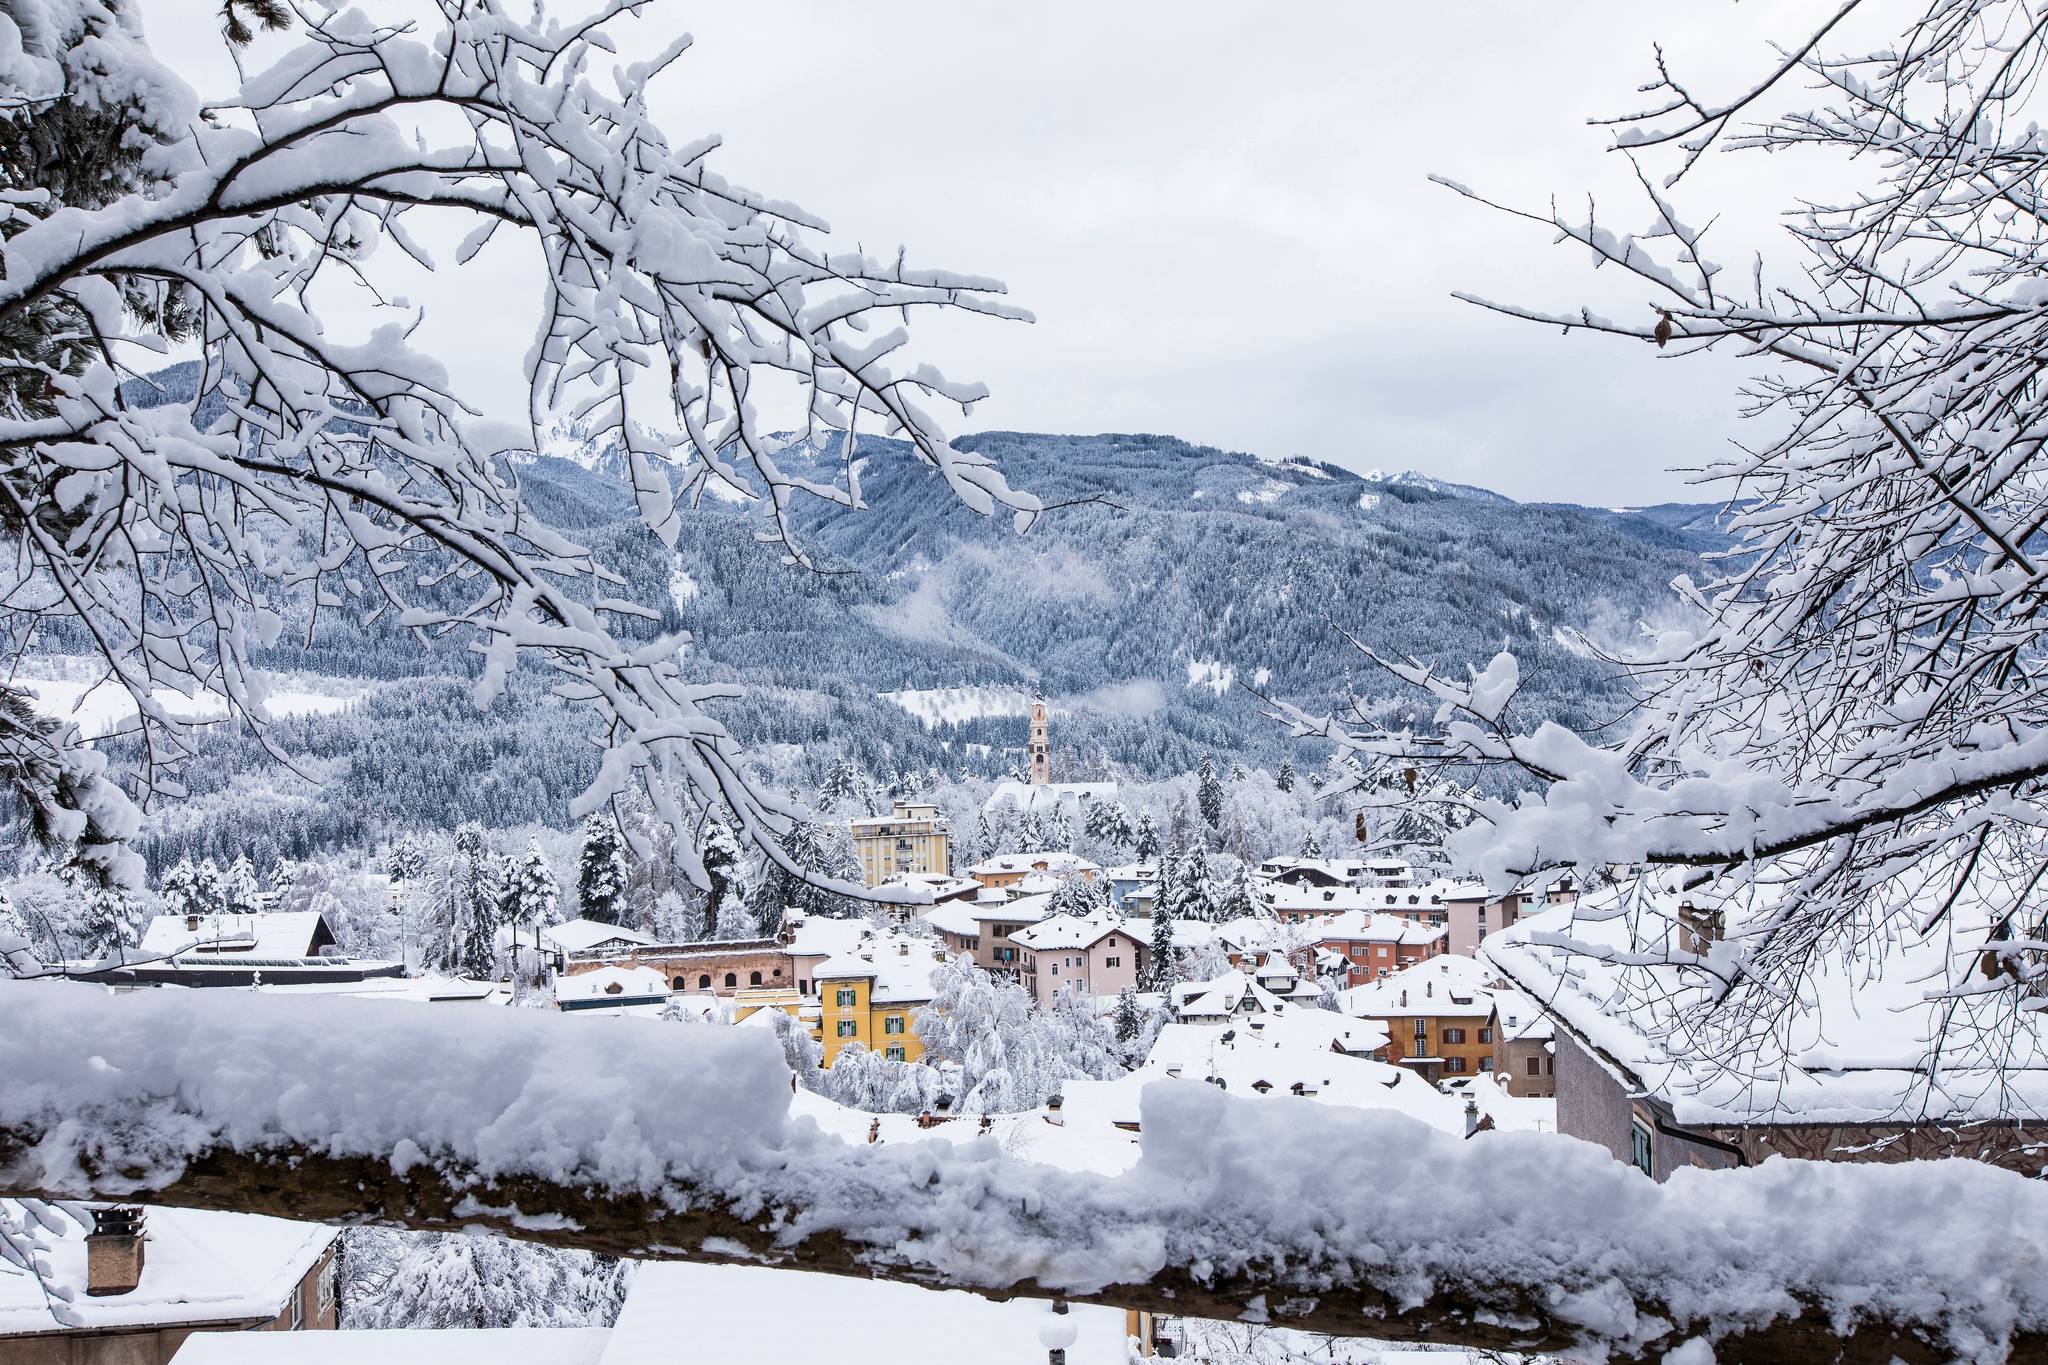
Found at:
(1409, 478)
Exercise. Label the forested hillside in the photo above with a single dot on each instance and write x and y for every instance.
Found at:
(1166, 581)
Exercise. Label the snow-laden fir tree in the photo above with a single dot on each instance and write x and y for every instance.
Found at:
(1284, 779)
(1078, 895)
(407, 859)
(1183, 886)
(179, 890)
(1059, 834)
(239, 891)
(282, 873)
(839, 785)
(1238, 898)
(209, 888)
(452, 1280)
(1311, 847)
(106, 922)
(1145, 840)
(601, 871)
(867, 1080)
(1162, 961)
(1010, 1054)
(533, 898)
(719, 852)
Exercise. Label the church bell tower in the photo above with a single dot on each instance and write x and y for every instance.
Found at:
(1041, 745)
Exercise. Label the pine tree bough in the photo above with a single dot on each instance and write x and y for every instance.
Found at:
(640, 1139)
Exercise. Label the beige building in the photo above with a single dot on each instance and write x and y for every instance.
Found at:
(911, 839)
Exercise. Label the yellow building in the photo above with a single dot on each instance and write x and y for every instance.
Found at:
(871, 996)
(911, 838)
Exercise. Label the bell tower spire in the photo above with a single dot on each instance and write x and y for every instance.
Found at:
(1041, 745)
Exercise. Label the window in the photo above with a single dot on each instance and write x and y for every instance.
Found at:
(327, 1287)
(704, 982)
(893, 1024)
(1454, 1064)
(1112, 962)
(848, 1028)
(1641, 1148)
(753, 978)
(1486, 1034)
(1550, 1066)
(298, 1307)
(1535, 1066)
(847, 995)
(894, 1054)
(731, 981)
(1421, 1029)
(1055, 969)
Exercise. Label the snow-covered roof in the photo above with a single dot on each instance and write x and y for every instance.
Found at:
(1073, 931)
(1057, 862)
(1444, 985)
(1510, 1113)
(1290, 1051)
(269, 936)
(1349, 870)
(899, 964)
(1852, 1045)
(962, 919)
(1131, 872)
(723, 1313)
(1520, 1019)
(400, 1346)
(1023, 797)
(584, 935)
(197, 1267)
(1022, 910)
(824, 936)
(1187, 933)
(941, 886)
(1369, 926)
(1333, 900)
(612, 983)
(1222, 997)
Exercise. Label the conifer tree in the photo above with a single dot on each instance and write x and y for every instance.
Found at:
(1145, 841)
(209, 888)
(1209, 793)
(476, 889)
(406, 860)
(1127, 1023)
(1311, 847)
(1162, 965)
(238, 887)
(107, 925)
(180, 890)
(533, 897)
(601, 871)
(720, 854)
(1285, 779)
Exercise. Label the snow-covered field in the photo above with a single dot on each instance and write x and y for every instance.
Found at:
(68, 689)
(951, 705)
(1267, 490)
(1212, 674)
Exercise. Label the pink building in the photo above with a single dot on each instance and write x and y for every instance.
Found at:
(1096, 954)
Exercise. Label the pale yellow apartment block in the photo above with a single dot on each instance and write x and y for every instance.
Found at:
(911, 838)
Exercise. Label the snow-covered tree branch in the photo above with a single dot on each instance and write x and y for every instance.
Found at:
(1855, 719)
(310, 473)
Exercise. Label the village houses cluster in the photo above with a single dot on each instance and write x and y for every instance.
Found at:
(1355, 982)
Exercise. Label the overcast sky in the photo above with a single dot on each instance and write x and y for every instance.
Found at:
(1220, 214)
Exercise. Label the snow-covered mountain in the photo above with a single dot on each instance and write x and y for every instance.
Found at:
(1168, 582)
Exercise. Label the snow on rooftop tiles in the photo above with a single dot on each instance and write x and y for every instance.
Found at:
(266, 936)
(1443, 985)
(198, 1267)
(1853, 1044)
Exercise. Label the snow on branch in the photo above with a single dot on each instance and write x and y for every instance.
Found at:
(597, 1133)
(303, 475)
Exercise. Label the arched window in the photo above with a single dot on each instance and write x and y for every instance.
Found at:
(704, 982)
(731, 981)
(753, 978)
(680, 984)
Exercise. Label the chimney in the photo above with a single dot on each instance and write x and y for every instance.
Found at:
(1471, 1117)
(1699, 929)
(113, 1250)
